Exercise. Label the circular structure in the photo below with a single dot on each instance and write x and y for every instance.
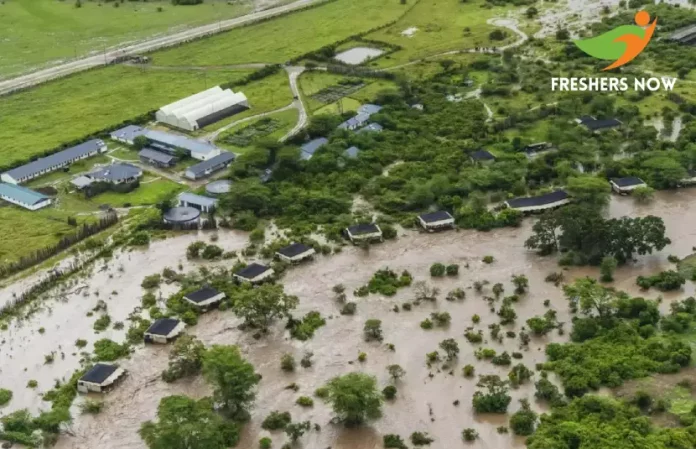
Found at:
(180, 215)
(219, 187)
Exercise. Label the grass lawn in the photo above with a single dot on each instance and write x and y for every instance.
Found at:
(151, 191)
(287, 120)
(35, 32)
(286, 37)
(348, 104)
(23, 232)
(44, 117)
(313, 82)
(534, 132)
(441, 27)
(124, 153)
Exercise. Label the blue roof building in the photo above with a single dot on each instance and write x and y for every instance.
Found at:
(311, 147)
(23, 197)
(206, 168)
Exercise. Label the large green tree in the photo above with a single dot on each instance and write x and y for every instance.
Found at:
(183, 423)
(233, 378)
(355, 397)
(260, 306)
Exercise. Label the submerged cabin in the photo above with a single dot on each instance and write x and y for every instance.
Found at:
(482, 156)
(624, 186)
(204, 298)
(296, 252)
(436, 220)
(100, 378)
(539, 203)
(364, 232)
(164, 330)
(533, 149)
(254, 273)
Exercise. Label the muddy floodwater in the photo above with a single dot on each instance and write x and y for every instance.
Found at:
(426, 396)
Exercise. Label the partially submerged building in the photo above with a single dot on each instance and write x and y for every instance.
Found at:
(311, 147)
(364, 232)
(205, 298)
(202, 109)
(296, 252)
(164, 330)
(626, 185)
(436, 220)
(100, 378)
(200, 202)
(539, 203)
(156, 158)
(54, 162)
(210, 166)
(254, 273)
(23, 197)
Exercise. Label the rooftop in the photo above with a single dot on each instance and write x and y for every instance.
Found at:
(181, 214)
(374, 127)
(363, 228)
(594, 125)
(312, 146)
(222, 158)
(128, 133)
(201, 295)
(117, 172)
(60, 158)
(541, 200)
(154, 155)
(192, 198)
(22, 194)
(482, 155)
(369, 109)
(252, 270)
(433, 217)
(99, 373)
(294, 250)
(352, 152)
(163, 326)
(178, 141)
(628, 181)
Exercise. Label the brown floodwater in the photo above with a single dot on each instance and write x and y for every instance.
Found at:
(426, 396)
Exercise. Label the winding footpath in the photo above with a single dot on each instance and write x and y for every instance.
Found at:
(40, 76)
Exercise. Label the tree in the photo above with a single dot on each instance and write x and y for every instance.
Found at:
(261, 305)
(450, 347)
(531, 12)
(396, 372)
(184, 423)
(643, 194)
(355, 397)
(607, 267)
(437, 270)
(373, 330)
(523, 421)
(589, 190)
(140, 142)
(185, 359)
(590, 296)
(233, 378)
(496, 398)
(296, 430)
(520, 282)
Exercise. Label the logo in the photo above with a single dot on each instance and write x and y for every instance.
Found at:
(621, 44)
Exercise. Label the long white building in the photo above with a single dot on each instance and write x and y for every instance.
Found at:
(202, 109)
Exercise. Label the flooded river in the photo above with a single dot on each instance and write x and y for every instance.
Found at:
(425, 400)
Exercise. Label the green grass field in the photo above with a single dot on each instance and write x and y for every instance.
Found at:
(42, 118)
(35, 32)
(287, 120)
(286, 37)
(313, 82)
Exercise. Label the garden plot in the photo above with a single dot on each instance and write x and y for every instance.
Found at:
(334, 93)
(358, 55)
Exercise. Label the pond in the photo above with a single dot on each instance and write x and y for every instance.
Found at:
(358, 55)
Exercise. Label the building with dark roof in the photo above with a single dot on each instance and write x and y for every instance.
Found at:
(539, 203)
(100, 378)
(205, 298)
(364, 232)
(182, 215)
(54, 162)
(254, 273)
(23, 197)
(594, 124)
(128, 134)
(372, 127)
(200, 202)
(164, 330)
(624, 186)
(219, 187)
(174, 144)
(436, 220)
(533, 149)
(685, 36)
(118, 173)
(311, 147)
(295, 252)
(156, 158)
(482, 156)
(210, 166)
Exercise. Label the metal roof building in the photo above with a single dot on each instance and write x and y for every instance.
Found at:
(117, 173)
(210, 166)
(54, 162)
(156, 158)
(352, 152)
(171, 143)
(23, 197)
(538, 203)
(311, 147)
(200, 202)
(181, 215)
(202, 109)
(128, 134)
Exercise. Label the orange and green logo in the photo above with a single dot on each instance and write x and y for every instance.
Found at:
(621, 44)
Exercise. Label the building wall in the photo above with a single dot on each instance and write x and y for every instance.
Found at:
(36, 206)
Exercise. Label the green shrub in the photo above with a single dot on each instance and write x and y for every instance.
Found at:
(91, 407)
(265, 443)
(349, 308)
(389, 392)
(452, 269)
(305, 401)
(106, 350)
(287, 363)
(5, 396)
(421, 439)
(152, 281)
(437, 270)
(392, 441)
(276, 420)
(102, 323)
(304, 329)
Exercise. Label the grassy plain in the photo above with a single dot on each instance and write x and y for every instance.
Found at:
(151, 191)
(35, 32)
(287, 120)
(286, 37)
(313, 82)
(42, 118)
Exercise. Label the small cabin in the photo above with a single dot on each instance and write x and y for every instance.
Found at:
(624, 186)
(364, 232)
(254, 273)
(534, 149)
(205, 298)
(436, 220)
(296, 252)
(164, 331)
(100, 378)
(482, 156)
(539, 203)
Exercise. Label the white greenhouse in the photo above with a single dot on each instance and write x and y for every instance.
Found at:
(202, 109)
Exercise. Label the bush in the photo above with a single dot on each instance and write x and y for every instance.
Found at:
(373, 330)
(452, 270)
(437, 270)
(495, 399)
(664, 281)
(106, 350)
(392, 441)
(102, 323)
(5, 396)
(421, 439)
(265, 443)
(426, 324)
(152, 281)
(488, 259)
(91, 407)
(349, 308)
(389, 392)
(276, 420)
(304, 329)
(523, 421)
(287, 363)
(468, 371)
(80, 343)
(321, 392)
(469, 434)
(32, 383)
(305, 401)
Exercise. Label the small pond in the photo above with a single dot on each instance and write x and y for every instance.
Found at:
(358, 55)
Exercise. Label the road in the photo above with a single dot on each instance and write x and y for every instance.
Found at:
(10, 85)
